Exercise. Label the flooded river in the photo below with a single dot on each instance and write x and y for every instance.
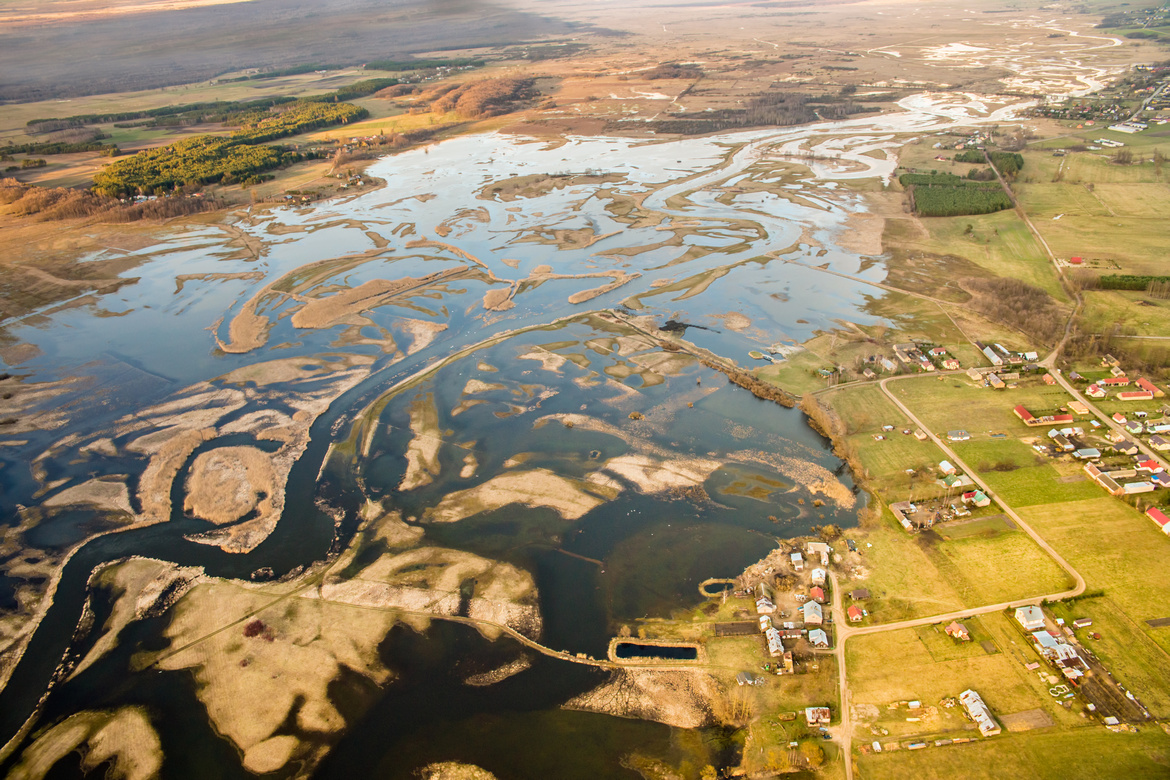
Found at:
(254, 474)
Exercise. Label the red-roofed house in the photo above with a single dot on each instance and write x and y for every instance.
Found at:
(958, 631)
(1149, 465)
(1160, 519)
(1119, 418)
(1023, 413)
(1135, 395)
(855, 614)
(817, 593)
(1114, 381)
(1076, 260)
(1095, 391)
(1146, 384)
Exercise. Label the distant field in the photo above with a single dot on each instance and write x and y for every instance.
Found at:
(1083, 753)
(1116, 548)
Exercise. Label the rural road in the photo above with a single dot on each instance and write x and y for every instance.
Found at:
(844, 631)
(1019, 521)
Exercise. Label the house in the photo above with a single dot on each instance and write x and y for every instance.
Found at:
(1024, 414)
(974, 374)
(818, 716)
(1160, 443)
(1078, 407)
(1114, 381)
(797, 561)
(764, 606)
(1160, 518)
(1031, 618)
(959, 435)
(950, 364)
(817, 593)
(1062, 443)
(1095, 391)
(855, 614)
(747, 678)
(812, 613)
(1150, 387)
(1149, 465)
(920, 434)
(938, 351)
(976, 497)
(958, 631)
(818, 576)
(1160, 479)
(1135, 426)
(775, 644)
(1118, 418)
(765, 624)
(1135, 395)
(868, 373)
(979, 712)
(1087, 453)
(861, 594)
(821, 549)
(1049, 379)
(947, 468)
(1126, 447)
(889, 365)
(818, 638)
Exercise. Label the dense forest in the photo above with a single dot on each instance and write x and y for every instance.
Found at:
(1129, 281)
(399, 66)
(771, 108)
(292, 119)
(205, 159)
(1008, 163)
(947, 195)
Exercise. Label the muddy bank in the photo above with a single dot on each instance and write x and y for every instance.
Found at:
(676, 697)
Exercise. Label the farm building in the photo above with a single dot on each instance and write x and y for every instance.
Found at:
(1160, 519)
(818, 576)
(978, 711)
(946, 467)
(775, 644)
(1087, 453)
(818, 716)
(860, 594)
(1135, 395)
(1149, 386)
(1114, 381)
(1133, 488)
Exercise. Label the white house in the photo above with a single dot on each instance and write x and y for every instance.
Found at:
(1031, 618)
(818, 576)
(818, 638)
(812, 613)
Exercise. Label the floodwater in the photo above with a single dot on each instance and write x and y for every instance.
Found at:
(694, 229)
